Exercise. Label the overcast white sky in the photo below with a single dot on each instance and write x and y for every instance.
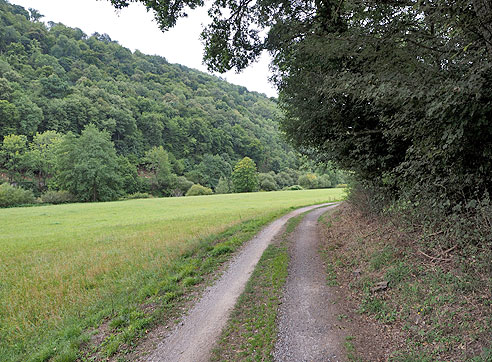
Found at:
(134, 28)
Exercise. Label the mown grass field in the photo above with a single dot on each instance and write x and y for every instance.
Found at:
(62, 265)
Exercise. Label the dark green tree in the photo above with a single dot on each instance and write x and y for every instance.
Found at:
(210, 170)
(88, 166)
(267, 182)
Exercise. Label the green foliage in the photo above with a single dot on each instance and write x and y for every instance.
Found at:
(129, 175)
(198, 190)
(294, 188)
(41, 157)
(157, 160)
(60, 79)
(138, 195)
(12, 155)
(325, 181)
(397, 92)
(287, 177)
(55, 80)
(14, 196)
(88, 166)
(244, 177)
(57, 197)
(210, 170)
(267, 182)
(308, 181)
(224, 186)
(181, 186)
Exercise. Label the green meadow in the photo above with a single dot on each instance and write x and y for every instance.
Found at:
(60, 265)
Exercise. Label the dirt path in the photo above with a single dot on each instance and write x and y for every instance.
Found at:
(193, 339)
(307, 320)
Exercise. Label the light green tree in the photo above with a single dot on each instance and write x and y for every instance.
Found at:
(245, 176)
(41, 156)
(224, 186)
(12, 155)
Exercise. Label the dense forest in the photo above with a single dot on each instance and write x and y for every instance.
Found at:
(67, 98)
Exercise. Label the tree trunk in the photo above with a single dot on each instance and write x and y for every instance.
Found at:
(483, 9)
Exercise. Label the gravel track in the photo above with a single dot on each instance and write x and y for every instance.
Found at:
(307, 316)
(193, 339)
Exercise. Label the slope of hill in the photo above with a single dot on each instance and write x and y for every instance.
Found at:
(53, 77)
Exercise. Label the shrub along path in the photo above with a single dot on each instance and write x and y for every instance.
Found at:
(194, 337)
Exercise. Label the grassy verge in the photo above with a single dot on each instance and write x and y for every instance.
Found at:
(251, 331)
(94, 277)
(422, 309)
(169, 291)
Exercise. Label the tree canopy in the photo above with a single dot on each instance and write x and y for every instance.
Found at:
(244, 176)
(56, 78)
(88, 166)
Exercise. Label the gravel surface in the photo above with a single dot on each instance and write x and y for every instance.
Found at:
(193, 339)
(307, 318)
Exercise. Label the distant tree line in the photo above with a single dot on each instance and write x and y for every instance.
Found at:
(63, 168)
(84, 115)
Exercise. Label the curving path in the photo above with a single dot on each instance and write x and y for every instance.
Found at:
(193, 339)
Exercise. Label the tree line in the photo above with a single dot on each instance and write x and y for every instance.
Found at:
(66, 168)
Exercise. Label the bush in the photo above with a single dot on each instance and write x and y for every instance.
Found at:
(324, 182)
(267, 182)
(293, 188)
(308, 181)
(197, 190)
(138, 195)
(284, 179)
(181, 186)
(57, 197)
(14, 196)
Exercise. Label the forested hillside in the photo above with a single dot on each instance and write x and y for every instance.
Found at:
(163, 119)
(58, 78)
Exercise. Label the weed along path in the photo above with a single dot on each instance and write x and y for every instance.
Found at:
(194, 337)
(307, 315)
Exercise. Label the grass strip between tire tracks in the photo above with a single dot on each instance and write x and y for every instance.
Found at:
(251, 331)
